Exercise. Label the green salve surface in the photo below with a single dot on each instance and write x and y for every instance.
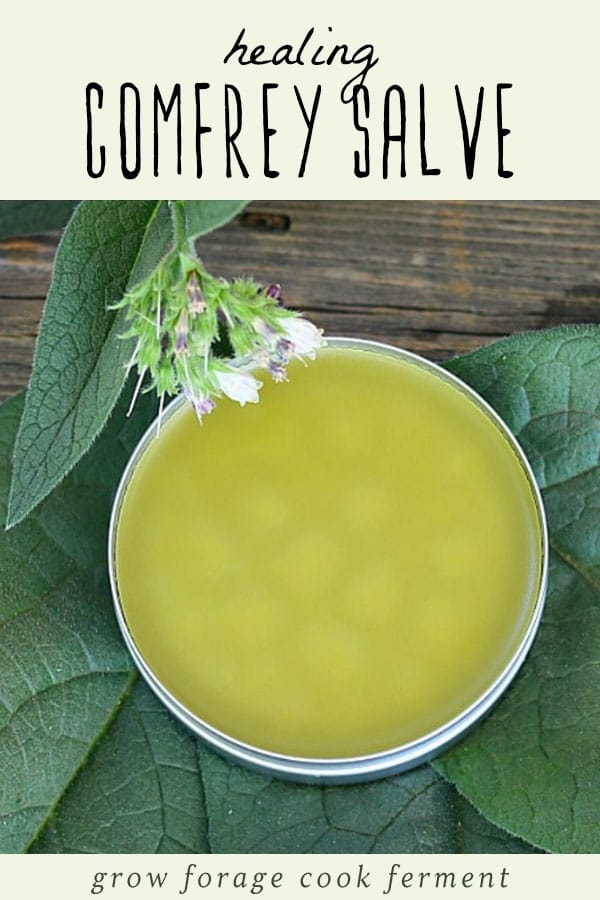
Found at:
(338, 570)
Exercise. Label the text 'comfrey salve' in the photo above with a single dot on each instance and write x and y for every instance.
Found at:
(342, 570)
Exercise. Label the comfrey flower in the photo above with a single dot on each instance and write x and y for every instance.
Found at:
(202, 404)
(305, 339)
(203, 336)
(240, 386)
(293, 337)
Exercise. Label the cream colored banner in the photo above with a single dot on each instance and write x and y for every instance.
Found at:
(328, 877)
(433, 99)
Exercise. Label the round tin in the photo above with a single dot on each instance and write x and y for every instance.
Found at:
(359, 768)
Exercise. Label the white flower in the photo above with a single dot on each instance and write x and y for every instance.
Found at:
(296, 337)
(305, 337)
(240, 386)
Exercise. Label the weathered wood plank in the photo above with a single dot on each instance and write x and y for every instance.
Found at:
(438, 278)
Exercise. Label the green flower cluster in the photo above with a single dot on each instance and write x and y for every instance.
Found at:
(203, 336)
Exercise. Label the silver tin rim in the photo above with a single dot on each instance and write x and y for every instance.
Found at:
(358, 768)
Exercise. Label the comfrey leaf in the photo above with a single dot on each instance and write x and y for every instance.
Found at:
(78, 370)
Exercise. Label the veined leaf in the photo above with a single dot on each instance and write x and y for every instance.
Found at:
(79, 364)
(140, 791)
(80, 361)
(533, 766)
(203, 216)
(417, 812)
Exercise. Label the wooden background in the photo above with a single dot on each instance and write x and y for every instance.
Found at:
(437, 278)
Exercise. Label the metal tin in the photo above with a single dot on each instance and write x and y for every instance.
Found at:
(376, 765)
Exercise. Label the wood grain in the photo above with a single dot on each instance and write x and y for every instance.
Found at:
(438, 278)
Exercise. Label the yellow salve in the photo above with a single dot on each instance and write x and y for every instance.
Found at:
(336, 571)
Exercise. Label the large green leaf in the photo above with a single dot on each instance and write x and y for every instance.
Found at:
(64, 671)
(139, 792)
(417, 812)
(203, 216)
(19, 217)
(90, 761)
(80, 363)
(534, 765)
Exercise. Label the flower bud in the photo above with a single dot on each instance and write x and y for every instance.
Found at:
(196, 300)
(181, 333)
